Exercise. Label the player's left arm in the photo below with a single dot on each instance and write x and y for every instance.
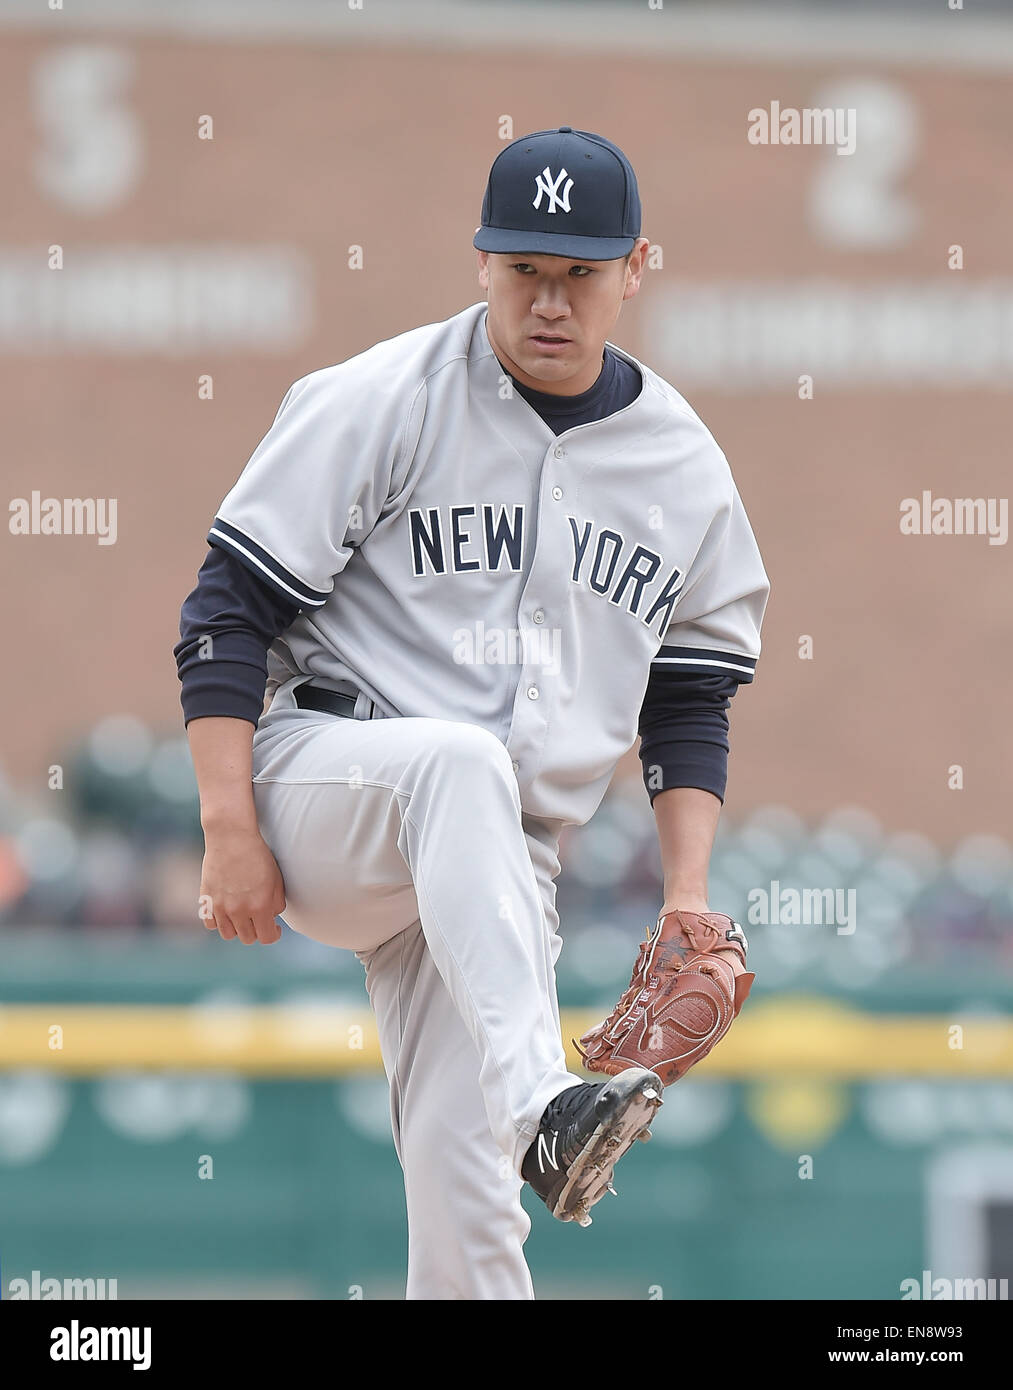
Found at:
(690, 978)
(709, 649)
(687, 821)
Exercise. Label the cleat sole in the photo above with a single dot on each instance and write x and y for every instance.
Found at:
(630, 1101)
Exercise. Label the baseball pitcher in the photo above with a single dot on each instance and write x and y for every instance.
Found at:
(468, 567)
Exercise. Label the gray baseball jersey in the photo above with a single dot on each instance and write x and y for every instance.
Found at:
(455, 559)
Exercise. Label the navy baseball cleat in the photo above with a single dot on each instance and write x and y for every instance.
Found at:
(583, 1134)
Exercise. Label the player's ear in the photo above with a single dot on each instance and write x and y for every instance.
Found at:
(635, 266)
(483, 269)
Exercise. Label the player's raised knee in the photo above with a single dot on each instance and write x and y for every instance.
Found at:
(469, 750)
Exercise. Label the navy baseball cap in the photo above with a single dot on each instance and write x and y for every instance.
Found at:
(561, 192)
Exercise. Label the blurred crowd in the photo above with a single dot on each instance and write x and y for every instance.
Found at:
(114, 842)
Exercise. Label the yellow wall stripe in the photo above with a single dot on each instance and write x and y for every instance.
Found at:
(773, 1037)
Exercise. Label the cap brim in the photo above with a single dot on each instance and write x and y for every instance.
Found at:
(574, 248)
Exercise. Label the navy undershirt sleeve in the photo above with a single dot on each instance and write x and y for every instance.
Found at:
(684, 732)
(226, 626)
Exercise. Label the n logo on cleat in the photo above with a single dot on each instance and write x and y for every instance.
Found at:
(543, 1149)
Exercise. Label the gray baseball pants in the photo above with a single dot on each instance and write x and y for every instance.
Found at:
(404, 841)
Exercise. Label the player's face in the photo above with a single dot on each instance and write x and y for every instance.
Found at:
(549, 316)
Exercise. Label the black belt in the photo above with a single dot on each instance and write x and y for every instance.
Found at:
(327, 701)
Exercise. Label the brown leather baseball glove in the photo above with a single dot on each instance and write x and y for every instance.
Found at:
(680, 1002)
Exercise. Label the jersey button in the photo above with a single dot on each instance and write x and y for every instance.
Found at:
(532, 692)
(516, 767)
(559, 452)
(557, 493)
(538, 616)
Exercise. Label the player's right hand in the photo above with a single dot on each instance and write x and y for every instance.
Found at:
(241, 889)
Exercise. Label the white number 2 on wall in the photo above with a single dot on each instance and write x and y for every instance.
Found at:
(855, 201)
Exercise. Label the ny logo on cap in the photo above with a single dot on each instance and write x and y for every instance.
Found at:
(545, 183)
